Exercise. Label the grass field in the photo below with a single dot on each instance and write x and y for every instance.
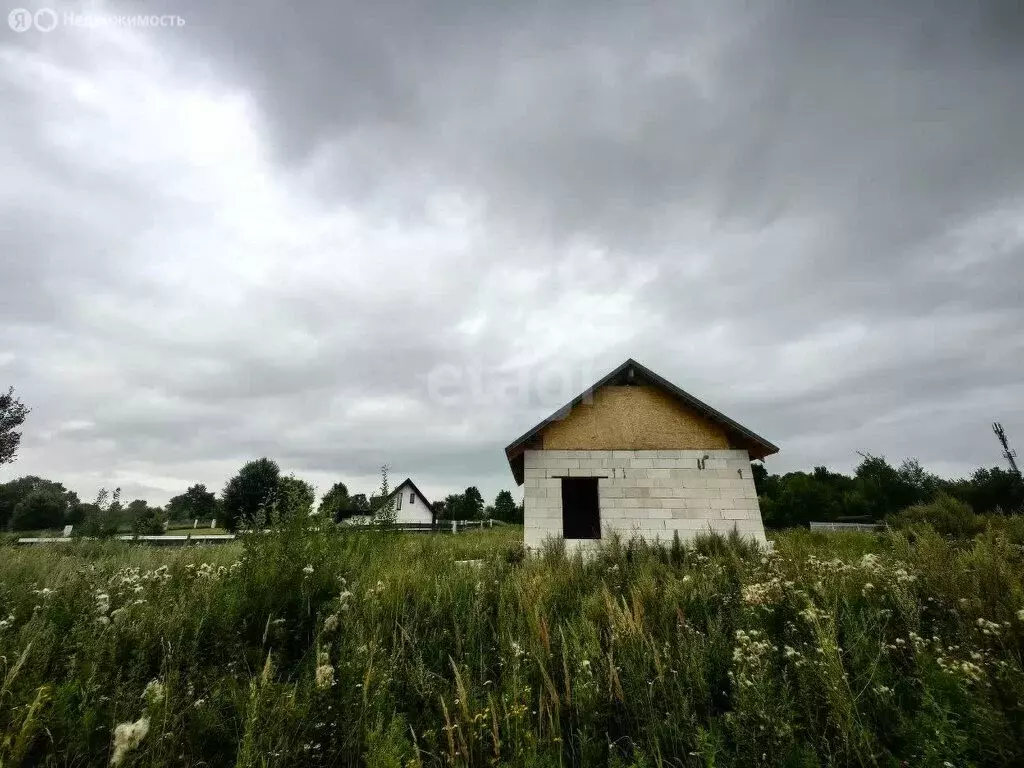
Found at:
(380, 649)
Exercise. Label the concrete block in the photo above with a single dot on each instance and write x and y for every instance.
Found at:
(734, 514)
(562, 463)
(641, 463)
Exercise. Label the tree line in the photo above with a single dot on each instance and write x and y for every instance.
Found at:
(878, 490)
(258, 495)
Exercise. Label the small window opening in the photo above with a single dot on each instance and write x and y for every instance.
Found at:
(412, 498)
(398, 502)
(581, 517)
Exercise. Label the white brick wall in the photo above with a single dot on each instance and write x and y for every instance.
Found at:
(651, 494)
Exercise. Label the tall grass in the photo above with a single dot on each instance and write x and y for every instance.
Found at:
(348, 648)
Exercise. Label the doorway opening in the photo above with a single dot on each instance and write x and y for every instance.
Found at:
(581, 516)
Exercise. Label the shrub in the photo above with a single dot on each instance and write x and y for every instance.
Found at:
(948, 516)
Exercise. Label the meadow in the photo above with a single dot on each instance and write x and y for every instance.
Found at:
(383, 649)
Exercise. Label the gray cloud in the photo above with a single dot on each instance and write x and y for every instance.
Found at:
(271, 230)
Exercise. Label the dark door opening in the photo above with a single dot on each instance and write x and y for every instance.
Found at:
(581, 518)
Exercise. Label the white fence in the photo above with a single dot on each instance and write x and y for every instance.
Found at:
(830, 526)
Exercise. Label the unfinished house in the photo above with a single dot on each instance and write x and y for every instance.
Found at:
(636, 455)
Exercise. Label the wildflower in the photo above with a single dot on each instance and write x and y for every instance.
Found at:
(324, 675)
(154, 692)
(331, 623)
(903, 577)
(308, 570)
(763, 593)
(8, 622)
(102, 602)
(199, 703)
(871, 562)
(988, 627)
(1020, 615)
(517, 649)
(127, 736)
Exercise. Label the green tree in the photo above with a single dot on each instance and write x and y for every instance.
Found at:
(105, 516)
(16, 491)
(12, 416)
(472, 505)
(194, 503)
(450, 508)
(147, 520)
(885, 489)
(12, 493)
(294, 498)
(505, 507)
(249, 496)
(359, 504)
(43, 508)
(992, 490)
(335, 503)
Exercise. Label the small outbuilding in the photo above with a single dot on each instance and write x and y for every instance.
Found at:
(636, 455)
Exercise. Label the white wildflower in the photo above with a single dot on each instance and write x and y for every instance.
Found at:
(331, 623)
(988, 627)
(154, 692)
(324, 675)
(127, 736)
(308, 570)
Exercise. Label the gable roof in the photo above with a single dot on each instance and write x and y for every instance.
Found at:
(419, 493)
(633, 372)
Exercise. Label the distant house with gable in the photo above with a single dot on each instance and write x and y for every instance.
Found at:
(637, 455)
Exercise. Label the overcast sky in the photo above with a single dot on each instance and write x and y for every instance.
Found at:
(352, 233)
